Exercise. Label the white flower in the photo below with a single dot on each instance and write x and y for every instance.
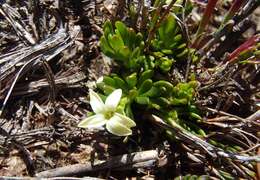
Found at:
(105, 114)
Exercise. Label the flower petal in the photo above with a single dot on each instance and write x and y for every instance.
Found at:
(126, 121)
(95, 121)
(115, 127)
(96, 102)
(113, 99)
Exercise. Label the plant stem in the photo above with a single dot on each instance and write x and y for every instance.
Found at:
(247, 10)
(246, 45)
(232, 11)
(204, 21)
(158, 22)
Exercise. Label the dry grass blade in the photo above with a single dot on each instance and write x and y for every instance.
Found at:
(48, 49)
(15, 20)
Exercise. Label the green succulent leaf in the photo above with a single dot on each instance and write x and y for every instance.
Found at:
(165, 84)
(105, 88)
(178, 102)
(120, 83)
(167, 51)
(161, 101)
(136, 53)
(148, 74)
(153, 92)
(142, 100)
(145, 86)
(167, 29)
(108, 28)
(177, 38)
(165, 64)
(131, 80)
(105, 47)
(181, 46)
(116, 42)
(139, 40)
(132, 38)
(124, 53)
(109, 81)
(183, 53)
(123, 31)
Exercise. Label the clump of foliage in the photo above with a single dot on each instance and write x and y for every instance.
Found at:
(122, 44)
(142, 87)
(147, 59)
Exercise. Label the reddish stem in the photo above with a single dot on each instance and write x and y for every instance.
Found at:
(205, 20)
(234, 8)
(206, 16)
(246, 45)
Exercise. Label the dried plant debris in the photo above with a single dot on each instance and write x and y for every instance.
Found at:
(188, 76)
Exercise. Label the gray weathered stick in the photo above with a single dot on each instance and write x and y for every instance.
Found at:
(58, 178)
(115, 162)
(201, 144)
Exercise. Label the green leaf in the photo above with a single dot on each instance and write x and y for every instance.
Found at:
(105, 47)
(138, 39)
(148, 74)
(167, 30)
(181, 46)
(122, 29)
(183, 53)
(108, 28)
(153, 92)
(120, 83)
(128, 111)
(131, 80)
(109, 81)
(145, 86)
(194, 84)
(162, 101)
(124, 53)
(142, 100)
(132, 38)
(141, 45)
(132, 94)
(105, 88)
(116, 42)
(195, 116)
(167, 51)
(174, 45)
(177, 38)
(136, 53)
(163, 91)
(166, 84)
(170, 25)
(158, 54)
(178, 102)
(165, 64)
(162, 35)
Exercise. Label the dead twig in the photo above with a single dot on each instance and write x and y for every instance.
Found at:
(26, 155)
(254, 117)
(47, 50)
(201, 144)
(114, 162)
(57, 178)
(14, 18)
